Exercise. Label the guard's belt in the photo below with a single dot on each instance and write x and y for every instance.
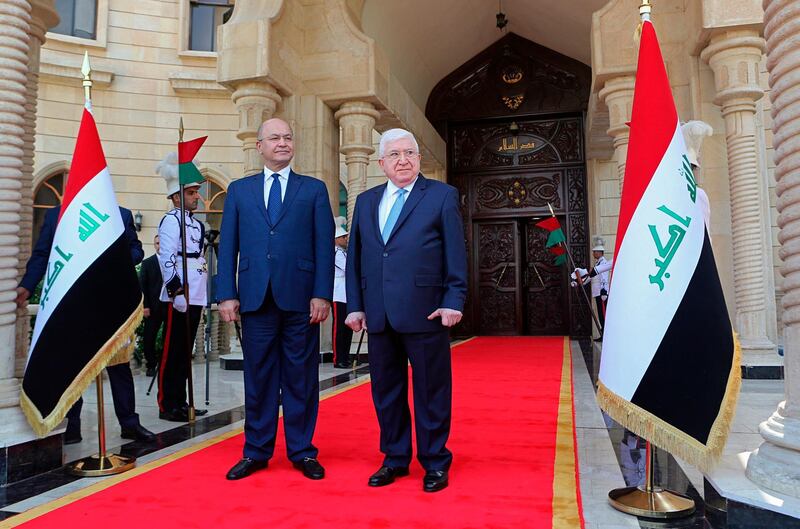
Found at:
(193, 255)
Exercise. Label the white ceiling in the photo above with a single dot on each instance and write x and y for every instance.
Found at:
(424, 40)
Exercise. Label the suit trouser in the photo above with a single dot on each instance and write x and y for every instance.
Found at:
(342, 334)
(281, 367)
(176, 359)
(429, 354)
(121, 381)
(151, 326)
(601, 312)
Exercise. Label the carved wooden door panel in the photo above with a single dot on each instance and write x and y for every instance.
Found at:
(545, 297)
(497, 296)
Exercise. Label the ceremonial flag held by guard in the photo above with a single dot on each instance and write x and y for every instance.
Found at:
(670, 364)
(91, 303)
(187, 170)
(556, 239)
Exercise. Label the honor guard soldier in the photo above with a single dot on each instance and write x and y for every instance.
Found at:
(599, 282)
(176, 358)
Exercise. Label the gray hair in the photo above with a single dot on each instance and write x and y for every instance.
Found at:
(394, 135)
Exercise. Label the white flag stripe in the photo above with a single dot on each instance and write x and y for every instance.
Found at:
(100, 193)
(638, 314)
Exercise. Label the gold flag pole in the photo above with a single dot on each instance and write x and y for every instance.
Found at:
(184, 263)
(650, 500)
(102, 463)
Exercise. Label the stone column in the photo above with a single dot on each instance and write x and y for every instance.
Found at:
(617, 94)
(43, 16)
(776, 463)
(15, 18)
(734, 57)
(256, 102)
(357, 120)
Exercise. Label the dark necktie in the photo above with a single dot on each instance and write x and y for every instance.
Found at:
(275, 202)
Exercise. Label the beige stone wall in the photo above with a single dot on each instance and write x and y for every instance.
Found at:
(144, 86)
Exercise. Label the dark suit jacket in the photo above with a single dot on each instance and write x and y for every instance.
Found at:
(422, 267)
(37, 264)
(295, 256)
(151, 282)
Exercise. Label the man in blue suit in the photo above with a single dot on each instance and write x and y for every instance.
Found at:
(407, 281)
(119, 376)
(279, 226)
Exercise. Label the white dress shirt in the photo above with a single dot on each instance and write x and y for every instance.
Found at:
(284, 178)
(389, 198)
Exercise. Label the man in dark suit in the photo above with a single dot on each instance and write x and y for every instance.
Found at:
(155, 310)
(279, 226)
(406, 283)
(119, 375)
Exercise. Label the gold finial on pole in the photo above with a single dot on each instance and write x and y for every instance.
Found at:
(180, 130)
(86, 70)
(645, 8)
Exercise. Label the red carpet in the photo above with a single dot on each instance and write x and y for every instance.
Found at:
(504, 440)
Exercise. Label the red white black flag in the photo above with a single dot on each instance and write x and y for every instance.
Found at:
(91, 301)
(670, 363)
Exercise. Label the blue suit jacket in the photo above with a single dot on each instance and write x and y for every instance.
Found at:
(37, 264)
(422, 267)
(295, 256)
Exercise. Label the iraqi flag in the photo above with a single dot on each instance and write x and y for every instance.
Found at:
(91, 303)
(670, 362)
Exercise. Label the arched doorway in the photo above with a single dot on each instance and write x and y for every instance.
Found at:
(513, 120)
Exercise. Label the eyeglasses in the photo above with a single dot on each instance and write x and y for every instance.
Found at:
(276, 137)
(395, 156)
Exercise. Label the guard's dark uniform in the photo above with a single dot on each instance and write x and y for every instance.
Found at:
(176, 359)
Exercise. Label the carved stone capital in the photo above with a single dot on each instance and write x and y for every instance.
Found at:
(734, 57)
(357, 120)
(256, 102)
(617, 94)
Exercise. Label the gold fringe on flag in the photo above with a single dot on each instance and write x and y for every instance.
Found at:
(117, 347)
(665, 436)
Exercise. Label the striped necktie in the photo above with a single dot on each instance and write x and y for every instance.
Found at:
(275, 202)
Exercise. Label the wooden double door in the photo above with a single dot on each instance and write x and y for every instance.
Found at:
(516, 287)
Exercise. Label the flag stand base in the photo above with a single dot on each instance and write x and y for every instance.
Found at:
(657, 503)
(101, 463)
(96, 466)
(650, 501)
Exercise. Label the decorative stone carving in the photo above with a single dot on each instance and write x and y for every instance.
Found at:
(256, 102)
(357, 120)
(617, 94)
(734, 57)
(15, 19)
(776, 463)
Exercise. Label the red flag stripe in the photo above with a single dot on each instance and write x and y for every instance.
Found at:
(87, 160)
(653, 122)
(187, 150)
(550, 224)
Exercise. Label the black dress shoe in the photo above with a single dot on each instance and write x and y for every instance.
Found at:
(138, 433)
(198, 412)
(151, 372)
(310, 467)
(245, 467)
(385, 476)
(341, 365)
(174, 416)
(434, 480)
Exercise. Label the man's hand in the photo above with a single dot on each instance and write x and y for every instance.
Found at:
(319, 310)
(449, 317)
(146, 312)
(356, 321)
(229, 310)
(23, 294)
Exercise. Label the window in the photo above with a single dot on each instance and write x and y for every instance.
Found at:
(78, 18)
(212, 200)
(205, 16)
(47, 196)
